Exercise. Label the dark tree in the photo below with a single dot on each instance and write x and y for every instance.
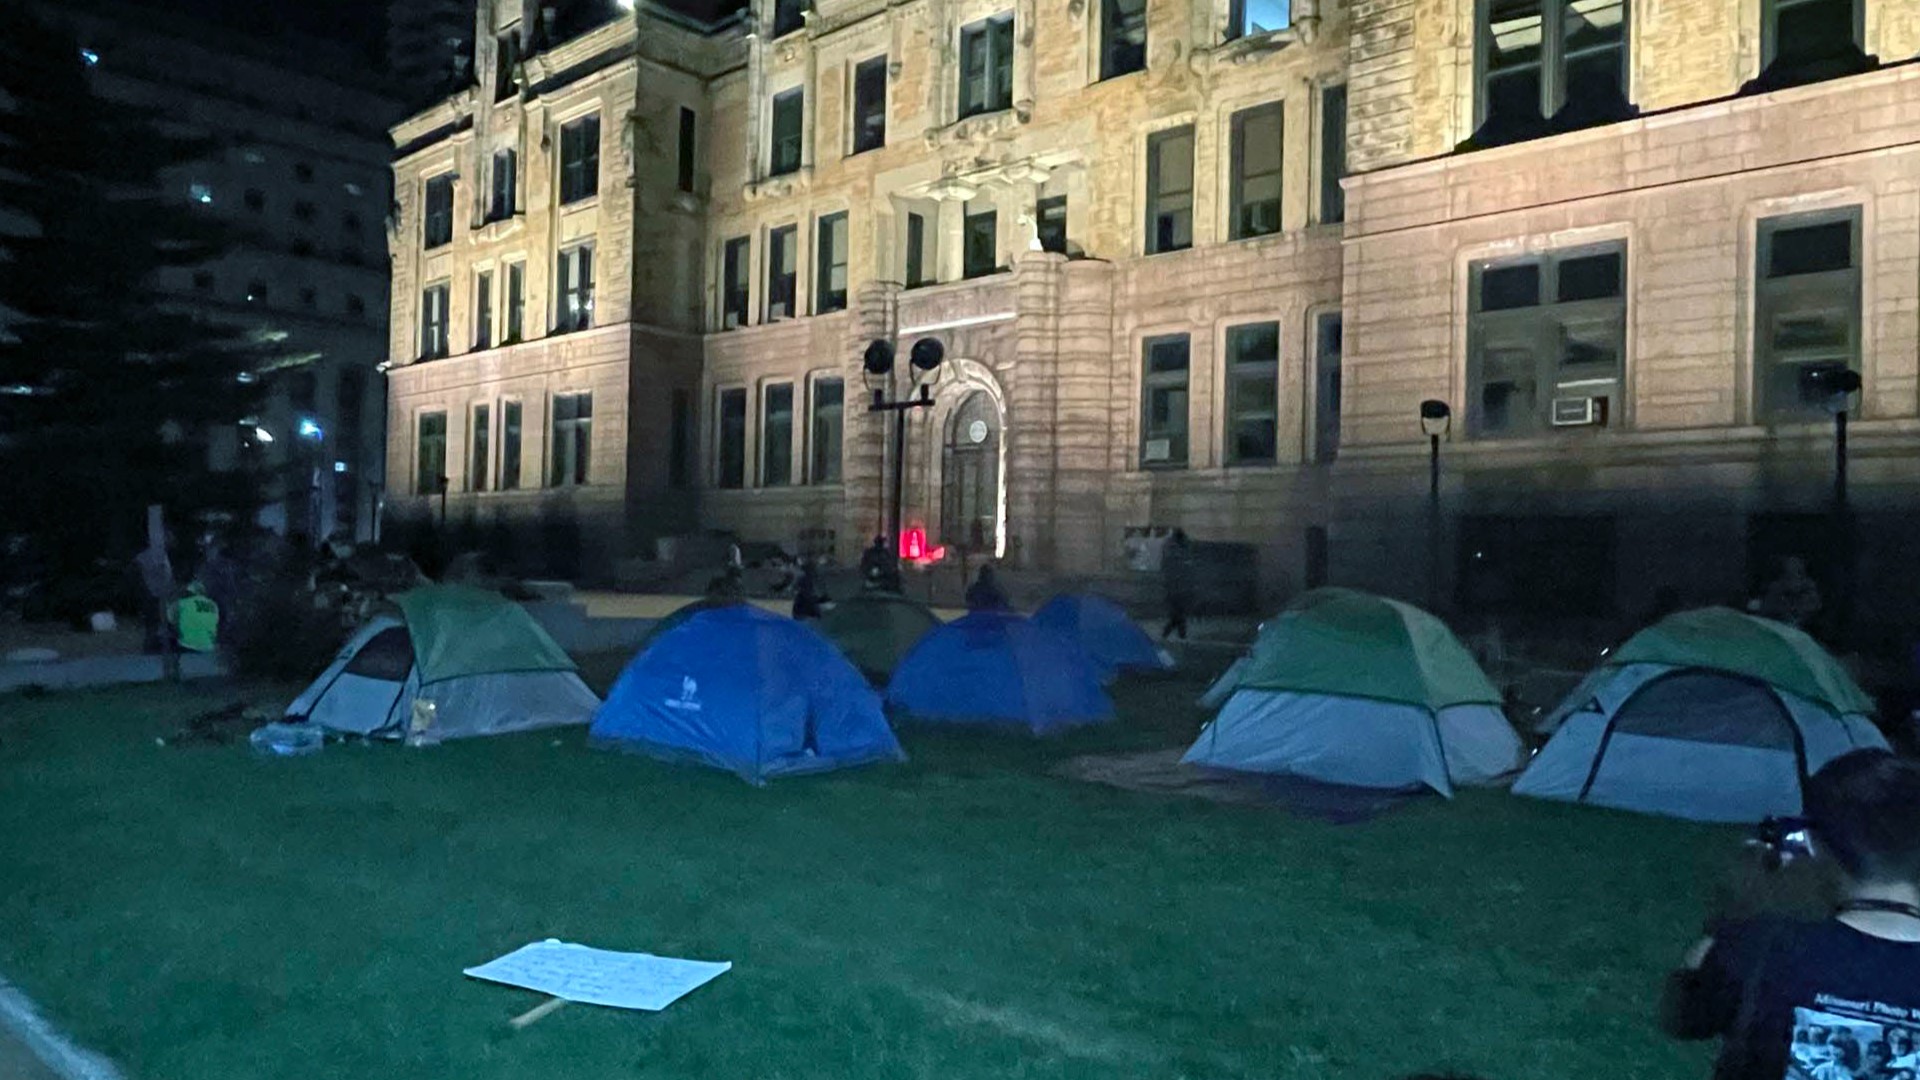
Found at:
(113, 390)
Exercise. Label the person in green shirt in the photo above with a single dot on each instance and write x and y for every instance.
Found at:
(196, 620)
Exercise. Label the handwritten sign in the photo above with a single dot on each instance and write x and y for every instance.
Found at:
(599, 977)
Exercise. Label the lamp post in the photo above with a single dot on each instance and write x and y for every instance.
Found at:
(1436, 419)
(922, 359)
(1841, 384)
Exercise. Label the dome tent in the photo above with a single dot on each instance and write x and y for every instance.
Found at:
(1109, 637)
(999, 668)
(745, 690)
(1349, 688)
(482, 661)
(876, 630)
(1711, 715)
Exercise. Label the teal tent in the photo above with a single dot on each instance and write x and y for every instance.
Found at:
(1350, 688)
(475, 662)
(1712, 715)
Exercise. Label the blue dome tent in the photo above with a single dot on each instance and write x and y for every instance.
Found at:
(999, 668)
(748, 691)
(1109, 637)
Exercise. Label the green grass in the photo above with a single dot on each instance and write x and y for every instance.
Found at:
(199, 914)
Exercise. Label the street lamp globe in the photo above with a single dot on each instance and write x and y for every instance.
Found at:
(1436, 417)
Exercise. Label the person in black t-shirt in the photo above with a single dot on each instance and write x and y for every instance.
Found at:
(1797, 1000)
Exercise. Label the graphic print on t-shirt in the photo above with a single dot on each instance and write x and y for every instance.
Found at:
(1838, 1039)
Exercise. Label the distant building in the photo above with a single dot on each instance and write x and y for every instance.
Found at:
(1195, 263)
(304, 178)
(429, 45)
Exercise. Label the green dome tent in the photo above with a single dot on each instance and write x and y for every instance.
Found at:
(1713, 715)
(479, 659)
(1351, 688)
(875, 630)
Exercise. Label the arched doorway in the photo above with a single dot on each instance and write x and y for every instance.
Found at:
(970, 476)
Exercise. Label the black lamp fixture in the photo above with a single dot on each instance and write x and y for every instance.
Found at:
(1436, 420)
(877, 370)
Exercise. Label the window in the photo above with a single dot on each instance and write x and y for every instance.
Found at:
(733, 284)
(303, 172)
(1558, 60)
(733, 438)
(783, 258)
(870, 105)
(1123, 37)
(789, 107)
(203, 280)
(1328, 336)
(1170, 190)
(509, 446)
(1052, 223)
(506, 178)
(788, 16)
(356, 306)
(1247, 18)
(1546, 341)
(981, 238)
(572, 439)
(1333, 154)
(477, 448)
(506, 58)
(1796, 32)
(776, 435)
(574, 285)
(309, 296)
(439, 214)
(256, 292)
(483, 310)
(986, 65)
(433, 321)
(1253, 394)
(303, 210)
(580, 159)
(1163, 428)
(1255, 196)
(689, 133)
(1807, 311)
(430, 445)
(916, 251)
(830, 265)
(828, 412)
(255, 199)
(516, 303)
(200, 193)
(680, 445)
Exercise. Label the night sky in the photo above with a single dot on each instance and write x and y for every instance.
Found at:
(360, 25)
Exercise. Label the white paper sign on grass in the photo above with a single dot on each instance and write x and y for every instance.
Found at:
(599, 977)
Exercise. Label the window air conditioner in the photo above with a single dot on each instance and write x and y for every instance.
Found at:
(1580, 412)
(1158, 450)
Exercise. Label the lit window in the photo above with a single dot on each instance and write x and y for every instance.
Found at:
(574, 284)
(200, 193)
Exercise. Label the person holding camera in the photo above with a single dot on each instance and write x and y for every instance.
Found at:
(1828, 999)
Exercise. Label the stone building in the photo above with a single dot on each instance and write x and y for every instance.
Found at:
(1195, 264)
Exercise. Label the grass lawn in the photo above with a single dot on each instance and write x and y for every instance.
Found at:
(197, 914)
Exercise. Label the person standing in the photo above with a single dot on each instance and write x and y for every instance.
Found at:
(985, 593)
(1176, 577)
(806, 593)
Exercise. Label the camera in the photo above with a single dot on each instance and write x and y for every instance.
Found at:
(1783, 840)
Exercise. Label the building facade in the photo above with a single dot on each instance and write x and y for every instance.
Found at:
(301, 177)
(1194, 264)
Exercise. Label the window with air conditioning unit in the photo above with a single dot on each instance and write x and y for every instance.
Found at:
(1547, 342)
(1163, 422)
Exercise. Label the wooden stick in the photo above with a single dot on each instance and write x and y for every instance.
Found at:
(536, 1013)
